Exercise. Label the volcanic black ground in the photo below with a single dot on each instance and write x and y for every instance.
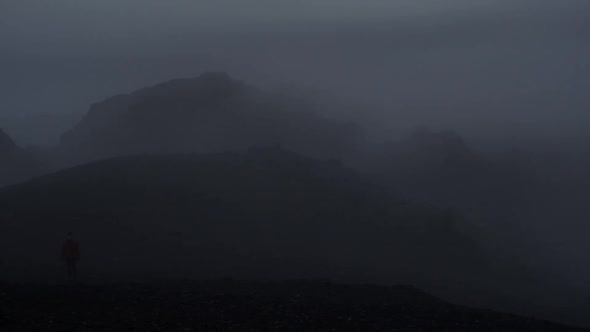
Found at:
(243, 306)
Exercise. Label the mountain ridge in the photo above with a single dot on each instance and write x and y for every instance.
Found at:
(210, 113)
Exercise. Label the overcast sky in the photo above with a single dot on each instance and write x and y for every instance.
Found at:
(454, 63)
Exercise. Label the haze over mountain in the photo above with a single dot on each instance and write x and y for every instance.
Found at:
(459, 126)
(495, 70)
(215, 113)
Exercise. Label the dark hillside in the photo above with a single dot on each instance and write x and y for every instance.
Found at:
(266, 212)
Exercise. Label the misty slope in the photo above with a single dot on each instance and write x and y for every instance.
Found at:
(442, 169)
(209, 113)
(15, 163)
(530, 199)
(266, 213)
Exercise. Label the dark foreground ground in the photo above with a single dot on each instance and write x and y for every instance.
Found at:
(243, 306)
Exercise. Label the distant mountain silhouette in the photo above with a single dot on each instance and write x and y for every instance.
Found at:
(209, 113)
(15, 163)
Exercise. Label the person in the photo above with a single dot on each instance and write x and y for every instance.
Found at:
(70, 253)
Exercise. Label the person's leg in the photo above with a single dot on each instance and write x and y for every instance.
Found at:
(70, 268)
(74, 268)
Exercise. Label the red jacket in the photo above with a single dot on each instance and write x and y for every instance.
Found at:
(70, 250)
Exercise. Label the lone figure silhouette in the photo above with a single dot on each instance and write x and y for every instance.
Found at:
(70, 253)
